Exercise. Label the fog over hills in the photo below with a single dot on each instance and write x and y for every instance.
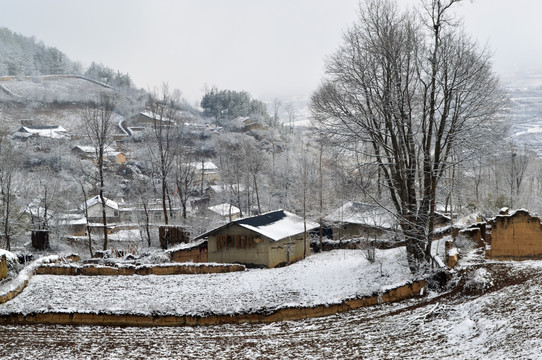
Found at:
(35, 79)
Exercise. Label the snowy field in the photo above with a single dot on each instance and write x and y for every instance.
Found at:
(503, 321)
(325, 278)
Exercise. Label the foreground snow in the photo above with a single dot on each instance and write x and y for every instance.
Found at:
(325, 278)
(498, 324)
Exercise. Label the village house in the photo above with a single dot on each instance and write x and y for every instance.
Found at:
(357, 219)
(136, 213)
(147, 118)
(272, 239)
(89, 152)
(94, 209)
(205, 171)
(513, 236)
(226, 211)
(72, 224)
(53, 132)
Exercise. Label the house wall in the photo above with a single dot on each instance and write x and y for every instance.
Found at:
(255, 253)
(196, 254)
(287, 251)
(518, 236)
(95, 212)
(118, 158)
(261, 251)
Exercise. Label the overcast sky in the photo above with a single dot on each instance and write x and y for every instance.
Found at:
(271, 48)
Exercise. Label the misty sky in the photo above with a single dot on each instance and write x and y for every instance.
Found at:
(271, 48)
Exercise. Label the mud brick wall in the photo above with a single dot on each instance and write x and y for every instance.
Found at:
(3, 267)
(515, 237)
(173, 269)
(399, 293)
(196, 254)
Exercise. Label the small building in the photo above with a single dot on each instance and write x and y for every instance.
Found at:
(73, 224)
(272, 239)
(205, 171)
(148, 118)
(357, 219)
(137, 213)
(94, 209)
(514, 236)
(226, 211)
(53, 132)
(89, 152)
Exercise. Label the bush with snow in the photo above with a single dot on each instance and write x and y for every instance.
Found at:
(478, 282)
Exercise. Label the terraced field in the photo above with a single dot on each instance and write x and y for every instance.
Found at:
(495, 313)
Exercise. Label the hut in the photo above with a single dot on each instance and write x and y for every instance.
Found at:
(269, 240)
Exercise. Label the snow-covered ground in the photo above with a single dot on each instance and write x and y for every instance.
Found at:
(502, 321)
(324, 278)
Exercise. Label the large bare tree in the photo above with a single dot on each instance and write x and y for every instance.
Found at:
(98, 124)
(11, 182)
(161, 106)
(408, 91)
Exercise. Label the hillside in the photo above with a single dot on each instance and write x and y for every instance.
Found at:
(52, 88)
(21, 55)
(45, 100)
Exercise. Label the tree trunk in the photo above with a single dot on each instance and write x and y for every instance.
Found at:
(257, 194)
(104, 219)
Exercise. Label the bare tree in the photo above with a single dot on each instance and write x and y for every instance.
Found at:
(98, 124)
(161, 106)
(405, 93)
(10, 181)
(517, 166)
(185, 177)
(255, 163)
(232, 165)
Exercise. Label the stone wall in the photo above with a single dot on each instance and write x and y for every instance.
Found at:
(399, 293)
(514, 237)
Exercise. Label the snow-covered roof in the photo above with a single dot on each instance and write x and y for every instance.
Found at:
(186, 246)
(156, 117)
(9, 255)
(363, 214)
(92, 150)
(225, 187)
(97, 200)
(53, 132)
(207, 165)
(224, 209)
(70, 219)
(275, 225)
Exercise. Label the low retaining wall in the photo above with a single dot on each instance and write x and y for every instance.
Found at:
(171, 269)
(11, 289)
(286, 314)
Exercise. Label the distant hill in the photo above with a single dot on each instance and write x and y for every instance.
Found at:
(33, 72)
(21, 55)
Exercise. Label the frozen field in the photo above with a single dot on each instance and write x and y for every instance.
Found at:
(325, 278)
(505, 322)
